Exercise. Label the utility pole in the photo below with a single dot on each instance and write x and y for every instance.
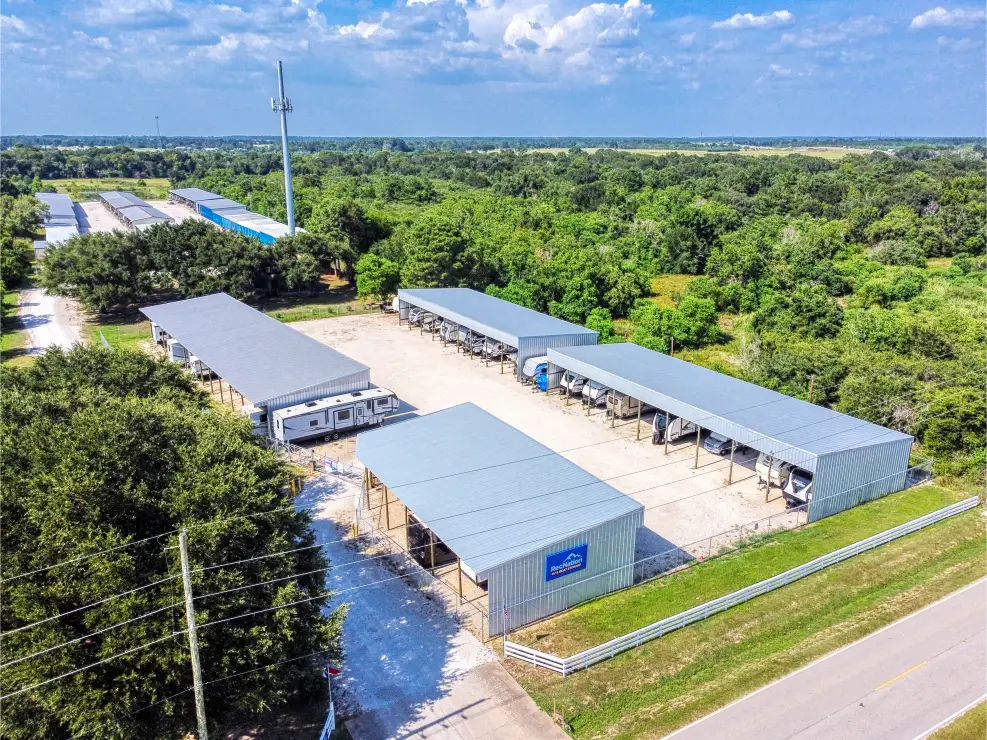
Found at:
(157, 125)
(812, 385)
(193, 638)
(282, 105)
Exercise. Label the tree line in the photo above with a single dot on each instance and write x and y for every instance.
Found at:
(862, 273)
(106, 454)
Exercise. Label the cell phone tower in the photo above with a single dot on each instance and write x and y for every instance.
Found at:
(282, 105)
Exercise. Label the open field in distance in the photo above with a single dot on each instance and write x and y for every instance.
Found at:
(826, 152)
(81, 188)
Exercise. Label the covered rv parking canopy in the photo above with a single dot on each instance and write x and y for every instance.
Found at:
(530, 332)
(846, 455)
(133, 211)
(503, 503)
(268, 362)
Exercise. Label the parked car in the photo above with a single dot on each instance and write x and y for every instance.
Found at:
(677, 428)
(595, 394)
(798, 489)
(571, 384)
(717, 443)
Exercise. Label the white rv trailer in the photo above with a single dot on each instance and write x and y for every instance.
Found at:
(156, 333)
(328, 417)
(177, 351)
(198, 367)
(572, 383)
(595, 394)
(258, 419)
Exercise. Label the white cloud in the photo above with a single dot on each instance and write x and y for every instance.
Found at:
(940, 17)
(363, 29)
(101, 42)
(749, 20)
(829, 35)
(13, 24)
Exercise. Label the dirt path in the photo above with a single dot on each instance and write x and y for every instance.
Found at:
(49, 320)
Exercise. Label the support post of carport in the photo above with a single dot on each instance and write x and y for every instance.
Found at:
(612, 403)
(222, 398)
(407, 528)
(639, 405)
(387, 510)
(667, 432)
(210, 383)
(459, 567)
(767, 488)
(431, 547)
(733, 447)
(502, 354)
(231, 397)
(695, 463)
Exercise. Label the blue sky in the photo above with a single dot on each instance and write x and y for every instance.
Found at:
(494, 67)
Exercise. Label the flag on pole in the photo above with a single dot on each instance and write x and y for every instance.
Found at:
(330, 670)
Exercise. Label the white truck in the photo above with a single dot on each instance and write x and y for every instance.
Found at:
(328, 417)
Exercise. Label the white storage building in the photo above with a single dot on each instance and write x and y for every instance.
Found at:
(530, 332)
(540, 532)
(268, 362)
(851, 460)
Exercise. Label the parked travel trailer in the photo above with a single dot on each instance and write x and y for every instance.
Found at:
(328, 417)
(493, 349)
(198, 367)
(156, 333)
(535, 371)
(571, 383)
(431, 322)
(624, 406)
(395, 305)
(595, 394)
(677, 428)
(415, 316)
(772, 471)
(176, 351)
(798, 489)
(258, 419)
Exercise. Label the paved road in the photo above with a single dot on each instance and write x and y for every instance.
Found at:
(893, 685)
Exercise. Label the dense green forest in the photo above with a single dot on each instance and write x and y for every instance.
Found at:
(106, 453)
(863, 277)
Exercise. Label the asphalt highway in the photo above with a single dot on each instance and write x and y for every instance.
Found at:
(896, 684)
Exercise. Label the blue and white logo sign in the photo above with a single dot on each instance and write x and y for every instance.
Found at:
(563, 563)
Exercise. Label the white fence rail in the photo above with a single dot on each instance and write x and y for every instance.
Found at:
(632, 640)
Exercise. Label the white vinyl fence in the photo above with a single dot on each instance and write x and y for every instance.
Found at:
(631, 640)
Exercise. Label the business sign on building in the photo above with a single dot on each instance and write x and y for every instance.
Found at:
(563, 563)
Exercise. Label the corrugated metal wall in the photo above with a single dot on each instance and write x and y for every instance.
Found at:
(218, 218)
(850, 477)
(347, 384)
(535, 346)
(520, 585)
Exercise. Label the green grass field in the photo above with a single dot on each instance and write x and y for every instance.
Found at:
(599, 620)
(339, 300)
(971, 725)
(669, 682)
(128, 332)
(13, 337)
(151, 188)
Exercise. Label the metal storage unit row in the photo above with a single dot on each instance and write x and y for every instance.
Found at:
(531, 332)
(851, 460)
(268, 362)
(539, 530)
(133, 211)
(61, 210)
(231, 215)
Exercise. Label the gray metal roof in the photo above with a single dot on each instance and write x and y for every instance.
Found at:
(222, 204)
(194, 194)
(143, 215)
(60, 207)
(490, 492)
(55, 234)
(259, 356)
(789, 428)
(120, 199)
(493, 317)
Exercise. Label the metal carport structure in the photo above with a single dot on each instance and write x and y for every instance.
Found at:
(508, 508)
(851, 460)
(270, 363)
(530, 332)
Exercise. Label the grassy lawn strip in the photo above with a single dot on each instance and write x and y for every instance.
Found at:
(338, 300)
(13, 336)
(603, 619)
(971, 725)
(127, 332)
(667, 683)
(150, 188)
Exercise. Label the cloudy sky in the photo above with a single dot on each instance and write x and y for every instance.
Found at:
(494, 67)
